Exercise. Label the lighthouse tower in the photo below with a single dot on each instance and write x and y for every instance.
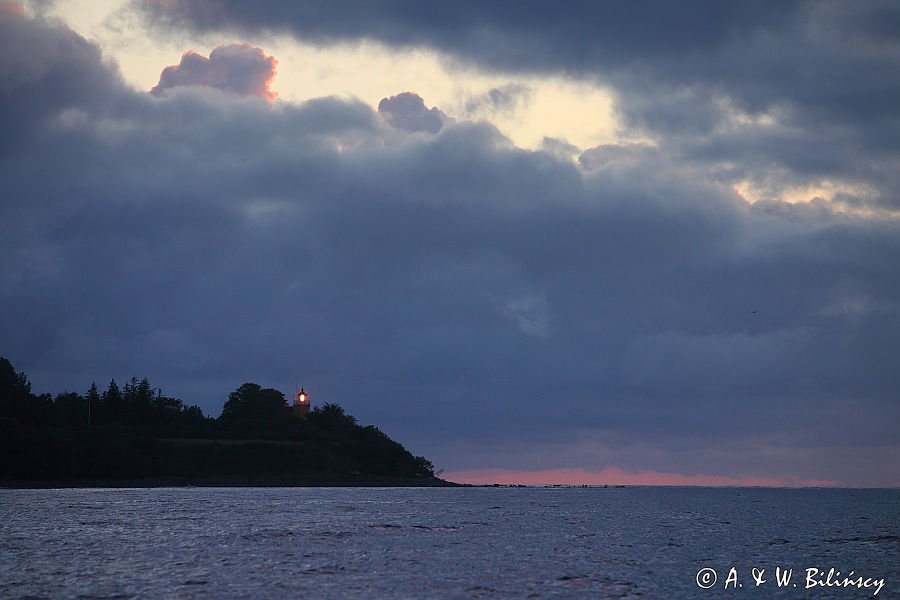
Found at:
(301, 405)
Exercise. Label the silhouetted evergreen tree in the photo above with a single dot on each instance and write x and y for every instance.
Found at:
(137, 399)
(144, 400)
(129, 402)
(15, 390)
(112, 403)
(144, 392)
(16, 400)
(92, 398)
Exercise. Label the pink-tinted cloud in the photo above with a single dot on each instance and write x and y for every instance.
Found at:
(237, 68)
(12, 7)
(616, 476)
(408, 111)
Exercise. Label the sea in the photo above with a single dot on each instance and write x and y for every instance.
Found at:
(467, 542)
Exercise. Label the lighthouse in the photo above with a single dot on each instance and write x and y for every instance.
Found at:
(301, 405)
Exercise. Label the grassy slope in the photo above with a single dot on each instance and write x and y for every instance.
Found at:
(299, 454)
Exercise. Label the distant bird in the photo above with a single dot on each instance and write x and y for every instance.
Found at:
(755, 312)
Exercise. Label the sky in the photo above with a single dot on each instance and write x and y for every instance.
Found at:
(583, 242)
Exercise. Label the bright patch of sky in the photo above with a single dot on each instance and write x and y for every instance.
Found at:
(531, 109)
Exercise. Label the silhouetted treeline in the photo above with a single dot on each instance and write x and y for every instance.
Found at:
(137, 433)
(135, 404)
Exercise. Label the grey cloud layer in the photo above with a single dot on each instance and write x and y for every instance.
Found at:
(823, 76)
(407, 111)
(449, 287)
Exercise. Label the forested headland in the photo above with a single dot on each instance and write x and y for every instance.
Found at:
(134, 434)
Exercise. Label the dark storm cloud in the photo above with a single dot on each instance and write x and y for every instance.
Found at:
(696, 75)
(499, 99)
(573, 35)
(824, 55)
(43, 71)
(451, 288)
(407, 111)
(236, 68)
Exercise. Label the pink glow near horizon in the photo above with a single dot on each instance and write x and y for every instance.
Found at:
(617, 476)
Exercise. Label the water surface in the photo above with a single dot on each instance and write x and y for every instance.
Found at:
(440, 542)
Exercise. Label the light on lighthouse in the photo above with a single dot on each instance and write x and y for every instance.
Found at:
(301, 406)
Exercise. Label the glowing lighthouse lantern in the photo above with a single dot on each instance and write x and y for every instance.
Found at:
(301, 407)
